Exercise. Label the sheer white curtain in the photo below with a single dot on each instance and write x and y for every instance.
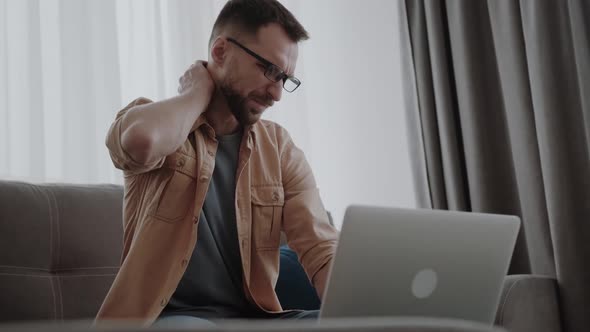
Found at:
(67, 66)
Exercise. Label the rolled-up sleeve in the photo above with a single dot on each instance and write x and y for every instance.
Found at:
(305, 220)
(121, 159)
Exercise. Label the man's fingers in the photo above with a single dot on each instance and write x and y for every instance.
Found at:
(193, 74)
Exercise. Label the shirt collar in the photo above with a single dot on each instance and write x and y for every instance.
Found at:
(202, 121)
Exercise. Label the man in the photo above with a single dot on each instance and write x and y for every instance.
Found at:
(209, 186)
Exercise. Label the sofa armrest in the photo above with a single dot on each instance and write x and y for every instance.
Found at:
(529, 303)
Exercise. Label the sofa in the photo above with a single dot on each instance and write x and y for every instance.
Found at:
(60, 249)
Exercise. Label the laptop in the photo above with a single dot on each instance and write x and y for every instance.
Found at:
(413, 262)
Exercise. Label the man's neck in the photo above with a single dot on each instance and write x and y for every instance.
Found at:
(220, 117)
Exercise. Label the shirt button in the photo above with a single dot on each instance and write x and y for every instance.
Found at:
(211, 153)
(183, 263)
(180, 162)
(204, 179)
(163, 302)
(275, 196)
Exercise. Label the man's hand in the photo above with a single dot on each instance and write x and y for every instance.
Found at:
(196, 77)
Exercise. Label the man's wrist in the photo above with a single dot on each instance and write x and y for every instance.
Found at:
(198, 97)
(197, 102)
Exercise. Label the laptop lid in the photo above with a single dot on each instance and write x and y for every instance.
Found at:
(413, 262)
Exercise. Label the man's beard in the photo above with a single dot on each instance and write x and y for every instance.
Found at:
(237, 105)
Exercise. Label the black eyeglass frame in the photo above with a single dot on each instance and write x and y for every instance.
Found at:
(272, 71)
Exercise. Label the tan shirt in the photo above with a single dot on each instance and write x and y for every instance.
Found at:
(275, 190)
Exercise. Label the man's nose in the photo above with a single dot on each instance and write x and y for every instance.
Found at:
(276, 90)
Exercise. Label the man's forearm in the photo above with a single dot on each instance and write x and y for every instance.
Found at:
(152, 131)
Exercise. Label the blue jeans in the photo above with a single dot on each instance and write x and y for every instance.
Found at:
(181, 321)
(184, 321)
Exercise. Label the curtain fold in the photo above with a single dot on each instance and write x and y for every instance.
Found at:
(501, 98)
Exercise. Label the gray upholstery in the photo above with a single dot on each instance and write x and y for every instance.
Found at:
(529, 303)
(60, 249)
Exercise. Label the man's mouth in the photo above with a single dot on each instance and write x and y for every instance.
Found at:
(265, 104)
(261, 105)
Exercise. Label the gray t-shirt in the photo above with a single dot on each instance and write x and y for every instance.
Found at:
(212, 284)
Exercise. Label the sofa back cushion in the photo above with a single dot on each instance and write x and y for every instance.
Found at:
(60, 249)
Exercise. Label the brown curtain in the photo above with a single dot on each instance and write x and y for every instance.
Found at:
(498, 107)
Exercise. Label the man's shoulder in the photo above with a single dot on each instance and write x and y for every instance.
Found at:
(262, 123)
(271, 136)
(270, 130)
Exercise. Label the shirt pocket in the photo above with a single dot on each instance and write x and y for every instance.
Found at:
(176, 198)
(267, 216)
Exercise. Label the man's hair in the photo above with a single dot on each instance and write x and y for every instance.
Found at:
(247, 16)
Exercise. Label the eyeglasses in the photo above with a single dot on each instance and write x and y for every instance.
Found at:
(272, 71)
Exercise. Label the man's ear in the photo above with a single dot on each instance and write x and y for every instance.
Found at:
(219, 50)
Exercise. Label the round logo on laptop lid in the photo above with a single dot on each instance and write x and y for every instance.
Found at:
(424, 283)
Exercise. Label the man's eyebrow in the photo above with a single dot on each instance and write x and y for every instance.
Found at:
(271, 62)
(283, 70)
(275, 64)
